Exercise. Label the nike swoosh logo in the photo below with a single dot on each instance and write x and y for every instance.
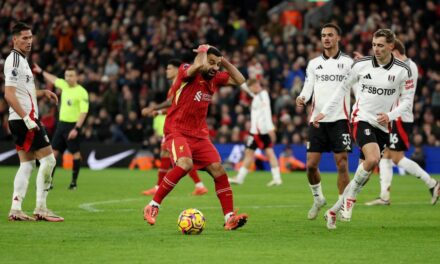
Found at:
(6, 155)
(95, 164)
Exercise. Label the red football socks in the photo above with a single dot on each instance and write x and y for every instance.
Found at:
(224, 193)
(165, 163)
(194, 176)
(168, 183)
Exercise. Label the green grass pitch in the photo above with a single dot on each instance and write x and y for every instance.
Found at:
(104, 223)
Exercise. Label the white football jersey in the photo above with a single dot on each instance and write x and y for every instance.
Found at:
(379, 87)
(324, 75)
(18, 74)
(408, 116)
(261, 114)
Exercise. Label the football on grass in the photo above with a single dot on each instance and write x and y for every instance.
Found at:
(191, 222)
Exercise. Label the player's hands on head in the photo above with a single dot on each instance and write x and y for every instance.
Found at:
(300, 101)
(383, 119)
(202, 48)
(317, 118)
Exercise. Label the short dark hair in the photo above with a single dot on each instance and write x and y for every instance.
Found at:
(19, 27)
(398, 45)
(175, 62)
(71, 69)
(331, 25)
(214, 51)
(388, 34)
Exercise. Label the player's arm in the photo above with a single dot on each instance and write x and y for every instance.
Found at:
(48, 94)
(84, 109)
(406, 97)
(11, 99)
(11, 81)
(199, 61)
(158, 109)
(307, 90)
(235, 76)
(338, 96)
(268, 117)
(47, 76)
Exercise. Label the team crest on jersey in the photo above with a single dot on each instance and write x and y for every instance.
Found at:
(391, 78)
(28, 78)
(340, 66)
(14, 72)
(69, 102)
(367, 132)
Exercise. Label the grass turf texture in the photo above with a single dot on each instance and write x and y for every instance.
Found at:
(104, 223)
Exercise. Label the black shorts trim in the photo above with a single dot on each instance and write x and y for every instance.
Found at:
(330, 137)
(258, 141)
(400, 135)
(28, 140)
(61, 143)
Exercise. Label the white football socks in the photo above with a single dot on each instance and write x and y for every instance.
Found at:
(199, 185)
(386, 176)
(360, 178)
(316, 192)
(242, 172)
(21, 183)
(414, 169)
(44, 179)
(276, 176)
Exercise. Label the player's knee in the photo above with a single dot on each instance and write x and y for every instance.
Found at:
(312, 167)
(341, 164)
(185, 163)
(48, 162)
(216, 169)
(371, 162)
(27, 166)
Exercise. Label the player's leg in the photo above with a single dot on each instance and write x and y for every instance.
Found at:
(414, 169)
(165, 163)
(181, 153)
(200, 188)
(341, 160)
(340, 140)
(225, 196)
(21, 182)
(244, 170)
(58, 146)
(386, 177)
(73, 145)
(44, 178)
(314, 178)
(274, 167)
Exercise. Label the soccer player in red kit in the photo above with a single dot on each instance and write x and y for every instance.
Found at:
(186, 131)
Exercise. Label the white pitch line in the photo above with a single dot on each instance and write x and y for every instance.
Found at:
(90, 207)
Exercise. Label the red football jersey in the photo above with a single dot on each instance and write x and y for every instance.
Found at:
(192, 96)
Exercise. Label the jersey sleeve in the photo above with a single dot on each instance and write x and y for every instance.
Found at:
(407, 90)
(183, 72)
(267, 111)
(11, 72)
(84, 102)
(221, 78)
(309, 83)
(350, 79)
(61, 84)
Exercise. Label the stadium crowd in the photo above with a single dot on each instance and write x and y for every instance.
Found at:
(121, 48)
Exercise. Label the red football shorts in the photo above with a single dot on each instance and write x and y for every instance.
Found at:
(200, 150)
